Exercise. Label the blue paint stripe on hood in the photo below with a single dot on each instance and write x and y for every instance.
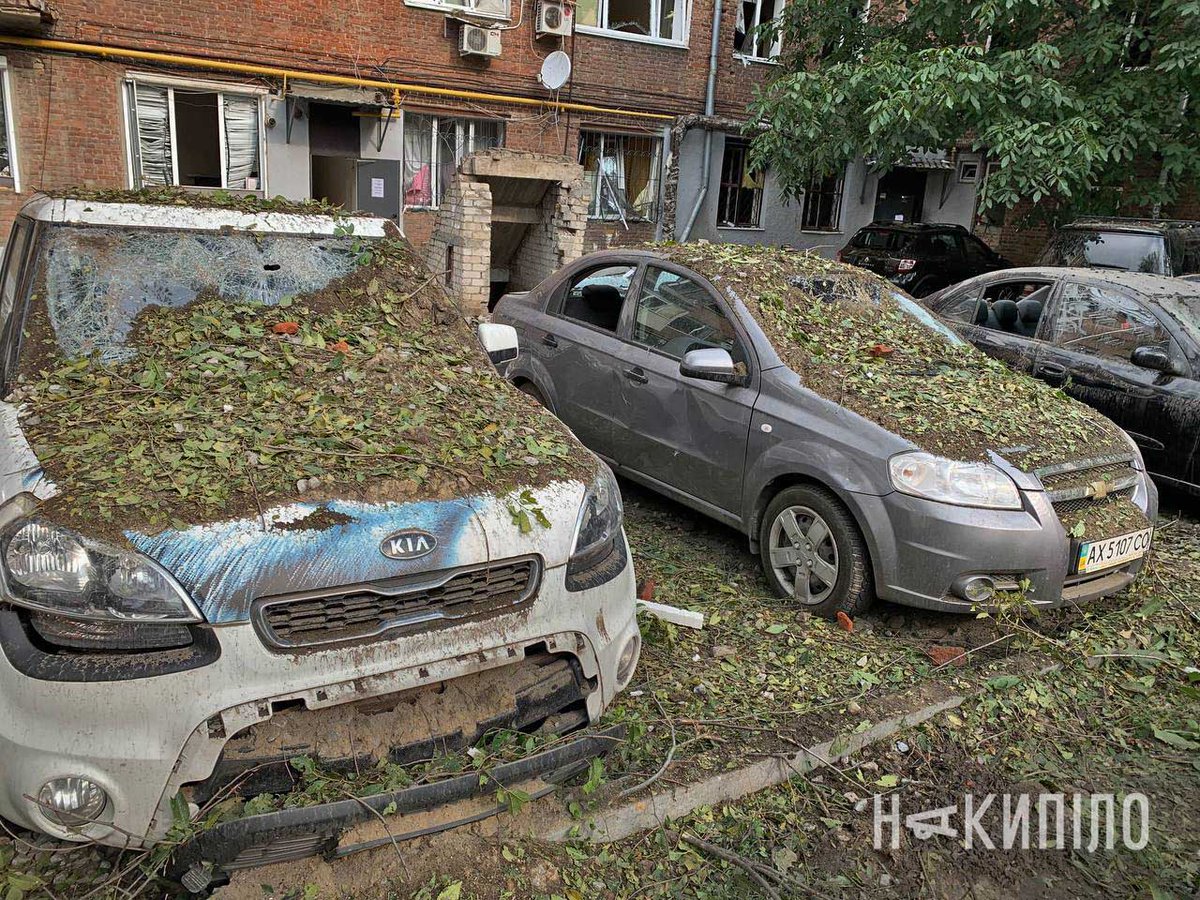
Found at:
(226, 565)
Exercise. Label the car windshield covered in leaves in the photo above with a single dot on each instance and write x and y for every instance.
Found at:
(258, 472)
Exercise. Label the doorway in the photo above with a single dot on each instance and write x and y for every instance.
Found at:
(900, 196)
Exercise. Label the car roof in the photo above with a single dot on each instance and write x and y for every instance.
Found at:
(1143, 282)
(1156, 226)
(72, 211)
(915, 227)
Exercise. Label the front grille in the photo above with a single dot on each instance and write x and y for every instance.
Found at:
(1071, 486)
(396, 606)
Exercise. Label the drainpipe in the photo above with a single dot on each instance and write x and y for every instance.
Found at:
(710, 105)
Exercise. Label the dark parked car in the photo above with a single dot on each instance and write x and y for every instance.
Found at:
(1126, 343)
(1154, 246)
(921, 258)
(861, 445)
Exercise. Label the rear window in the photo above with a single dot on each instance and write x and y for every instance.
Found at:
(97, 280)
(1130, 251)
(881, 239)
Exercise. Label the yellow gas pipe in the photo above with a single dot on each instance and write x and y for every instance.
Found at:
(198, 62)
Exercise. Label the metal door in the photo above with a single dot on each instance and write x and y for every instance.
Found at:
(379, 187)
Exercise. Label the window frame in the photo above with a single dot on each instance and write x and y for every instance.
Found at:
(435, 166)
(753, 36)
(723, 185)
(220, 88)
(840, 194)
(683, 21)
(11, 182)
(470, 9)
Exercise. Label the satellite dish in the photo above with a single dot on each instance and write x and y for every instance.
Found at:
(556, 70)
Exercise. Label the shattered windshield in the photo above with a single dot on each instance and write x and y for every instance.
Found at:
(98, 280)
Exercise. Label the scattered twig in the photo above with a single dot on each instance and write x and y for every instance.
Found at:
(736, 859)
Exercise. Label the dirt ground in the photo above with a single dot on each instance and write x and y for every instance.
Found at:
(1096, 700)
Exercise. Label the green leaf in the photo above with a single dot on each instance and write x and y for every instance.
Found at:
(1175, 739)
(451, 892)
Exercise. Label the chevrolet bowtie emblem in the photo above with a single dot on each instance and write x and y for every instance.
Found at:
(1098, 490)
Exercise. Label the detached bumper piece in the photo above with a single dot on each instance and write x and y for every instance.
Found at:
(296, 833)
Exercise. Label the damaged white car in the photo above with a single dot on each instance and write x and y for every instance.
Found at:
(264, 498)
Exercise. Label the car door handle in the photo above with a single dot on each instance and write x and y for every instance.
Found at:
(1052, 369)
(637, 375)
(549, 340)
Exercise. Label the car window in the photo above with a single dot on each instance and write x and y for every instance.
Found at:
(1106, 323)
(676, 314)
(10, 283)
(880, 239)
(1133, 251)
(595, 296)
(962, 306)
(977, 252)
(942, 245)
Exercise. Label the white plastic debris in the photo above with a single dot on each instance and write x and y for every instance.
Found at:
(686, 618)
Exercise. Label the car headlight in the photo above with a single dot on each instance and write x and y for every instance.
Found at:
(950, 481)
(54, 570)
(598, 553)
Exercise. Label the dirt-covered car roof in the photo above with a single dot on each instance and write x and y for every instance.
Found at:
(217, 404)
(856, 340)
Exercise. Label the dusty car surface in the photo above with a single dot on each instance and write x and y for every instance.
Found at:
(1125, 343)
(861, 446)
(264, 498)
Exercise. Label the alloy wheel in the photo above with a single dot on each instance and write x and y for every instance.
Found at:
(804, 554)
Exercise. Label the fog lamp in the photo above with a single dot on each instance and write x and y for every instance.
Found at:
(72, 800)
(977, 589)
(628, 661)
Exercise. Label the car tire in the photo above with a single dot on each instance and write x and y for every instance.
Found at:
(823, 538)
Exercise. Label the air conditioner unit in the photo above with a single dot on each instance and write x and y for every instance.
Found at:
(554, 17)
(476, 41)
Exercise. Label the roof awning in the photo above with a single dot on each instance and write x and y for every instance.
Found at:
(919, 158)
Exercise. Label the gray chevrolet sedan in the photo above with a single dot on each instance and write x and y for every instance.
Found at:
(863, 448)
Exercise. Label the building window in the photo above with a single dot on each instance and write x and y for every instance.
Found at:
(822, 209)
(491, 9)
(739, 205)
(749, 40)
(662, 20)
(624, 173)
(195, 136)
(433, 148)
(9, 177)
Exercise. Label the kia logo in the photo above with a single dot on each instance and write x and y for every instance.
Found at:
(410, 544)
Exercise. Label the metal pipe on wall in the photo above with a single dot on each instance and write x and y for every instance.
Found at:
(710, 105)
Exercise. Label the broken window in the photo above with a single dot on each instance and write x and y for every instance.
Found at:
(822, 209)
(1104, 322)
(739, 204)
(194, 136)
(433, 148)
(8, 144)
(497, 9)
(98, 280)
(655, 19)
(754, 35)
(623, 170)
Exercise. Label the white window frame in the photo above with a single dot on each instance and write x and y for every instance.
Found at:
(752, 35)
(683, 19)
(9, 128)
(220, 88)
(468, 7)
(435, 150)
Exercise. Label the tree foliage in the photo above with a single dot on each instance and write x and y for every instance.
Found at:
(1091, 103)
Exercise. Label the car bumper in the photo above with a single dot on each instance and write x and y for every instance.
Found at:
(146, 739)
(921, 549)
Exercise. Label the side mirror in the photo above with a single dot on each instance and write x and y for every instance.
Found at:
(500, 342)
(710, 364)
(1154, 358)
